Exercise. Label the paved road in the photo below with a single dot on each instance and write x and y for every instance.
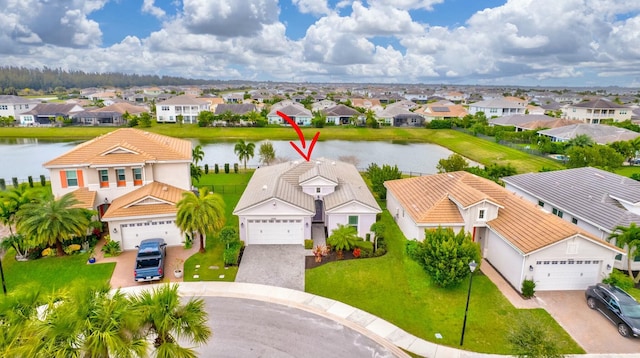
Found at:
(588, 327)
(250, 328)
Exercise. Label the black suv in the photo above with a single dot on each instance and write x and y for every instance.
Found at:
(617, 305)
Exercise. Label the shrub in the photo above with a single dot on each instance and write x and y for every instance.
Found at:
(73, 248)
(48, 252)
(3, 184)
(235, 168)
(532, 339)
(619, 279)
(226, 168)
(228, 236)
(43, 180)
(216, 169)
(357, 252)
(308, 244)
(206, 168)
(528, 288)
(231, 254)
(30, 179)
(111, 247)
(14, 180)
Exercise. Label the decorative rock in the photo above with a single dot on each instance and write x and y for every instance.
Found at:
(221, 276)
(214, 267)
(196, 276)
(197, 266)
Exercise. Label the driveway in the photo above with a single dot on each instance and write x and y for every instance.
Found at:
(588, 327)
(273, 265)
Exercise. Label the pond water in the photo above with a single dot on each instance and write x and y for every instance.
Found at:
(24, 157)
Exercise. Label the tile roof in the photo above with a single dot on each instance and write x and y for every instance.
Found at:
(152, 199)
(598, 104)
(431, 200)
(587, 193)
(600, 133)
(282, 181)
(241, 108)
(295, 110)
(54, 109)
(340, 110)
(125, 146)
(86, 198)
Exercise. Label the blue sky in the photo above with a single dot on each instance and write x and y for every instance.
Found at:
(502, 42)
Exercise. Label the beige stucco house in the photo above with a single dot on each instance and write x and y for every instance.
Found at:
(132, 178)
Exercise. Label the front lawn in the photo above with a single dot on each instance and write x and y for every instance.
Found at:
(398, 290)
(53, 273)
(230, 187)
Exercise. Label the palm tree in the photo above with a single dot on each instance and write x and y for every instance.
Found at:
(17, 311)
(197, 154)
(203, 213)
(50, 221)
(581, 140)
(89, 322)
(244, 151)
(629, 238)
(11, 201)
(342, 238)
(168, 320)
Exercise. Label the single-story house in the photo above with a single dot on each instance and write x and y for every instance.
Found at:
(283, 201)
(516, 237)
(600, 133)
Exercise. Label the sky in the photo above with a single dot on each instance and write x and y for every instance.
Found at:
(565, 43)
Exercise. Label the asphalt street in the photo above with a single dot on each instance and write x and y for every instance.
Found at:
(250, 328)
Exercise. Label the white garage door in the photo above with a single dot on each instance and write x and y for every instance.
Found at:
(566, 274)
(275, 231)
(133, 233)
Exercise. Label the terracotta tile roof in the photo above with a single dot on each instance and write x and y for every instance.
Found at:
(152, 199)
(125, 145)
(432, 199)
(86, 198)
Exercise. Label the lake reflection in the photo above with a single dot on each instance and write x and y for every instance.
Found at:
(24, 157)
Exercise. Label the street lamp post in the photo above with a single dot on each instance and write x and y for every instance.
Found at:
(472, 267)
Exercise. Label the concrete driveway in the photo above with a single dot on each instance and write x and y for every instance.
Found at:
(592, 331)
(273, 265)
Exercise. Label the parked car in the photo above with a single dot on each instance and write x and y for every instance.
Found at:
(616, 305)
(150, 260)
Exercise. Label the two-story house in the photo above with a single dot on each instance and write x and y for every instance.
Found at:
(592, 199)
(13, 106)
(593, 112)
(497, 107)
(519, 240)
(187, 106)
(132, 178)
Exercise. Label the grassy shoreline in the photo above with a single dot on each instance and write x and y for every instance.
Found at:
(474, 148)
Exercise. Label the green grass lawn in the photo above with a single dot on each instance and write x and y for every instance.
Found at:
(628, 171)
(53, 273)
(397, 289)
(230, 187)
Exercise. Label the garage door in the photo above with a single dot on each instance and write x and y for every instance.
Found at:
(566, 274)
(275, 231)
(133, 233)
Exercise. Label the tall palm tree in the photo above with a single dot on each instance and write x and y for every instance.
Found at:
(197, 154)
(628, 237)
(51, 222)
(244, 151)
(342, 238)
(203, 213)
(168, 321)
(12, 200)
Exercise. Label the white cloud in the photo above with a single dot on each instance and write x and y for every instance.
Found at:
(229, 18)
(315, 7)
(148, 6)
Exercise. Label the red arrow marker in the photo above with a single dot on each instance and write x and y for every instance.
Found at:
(293, 124)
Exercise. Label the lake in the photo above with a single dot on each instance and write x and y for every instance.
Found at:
(24, 157)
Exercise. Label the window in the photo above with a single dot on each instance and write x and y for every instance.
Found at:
(541, 203)
(4, 107)
(72, 177)
(165, 108)
(595, 121)
(317, 190)
(481, 214)
(622, 111)
(137, 176)
(557, 212)
(353, 222)
(104, 178)
(619, 257)
(574, 221)
(120, 177)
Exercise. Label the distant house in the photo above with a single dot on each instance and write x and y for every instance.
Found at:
(399, 116)
(132, 178)
(295, 111)
(282, 202)
(521, 241)
(45, 114)
(189, 107)
(340, 114)
(594, 200)
(593, 112)
(524, 122)
(497, 107)
(108, 115)
(366, 103)
(601, 134)
(441, 110)
(241, 109)
(14, 106)
(322, 104)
